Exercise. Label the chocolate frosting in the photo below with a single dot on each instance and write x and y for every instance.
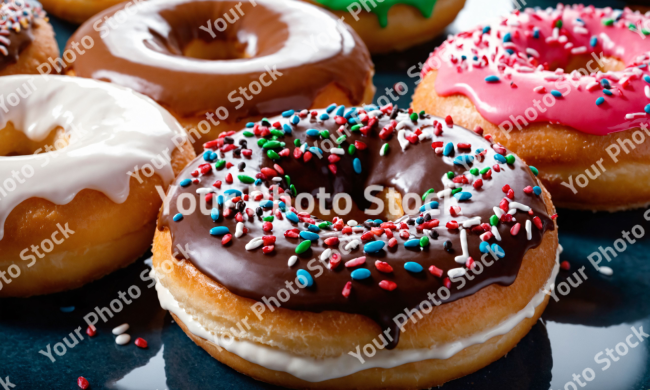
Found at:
(254, 275)
(16, 21)
(308, 46)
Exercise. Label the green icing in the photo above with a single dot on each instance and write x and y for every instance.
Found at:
(381, 9)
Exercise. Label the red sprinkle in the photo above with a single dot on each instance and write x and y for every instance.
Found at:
(360, 145)
(515, 229)
(335, 260)
(511, 194)
(292, 233)
(382, 266)
(332, 168)
(537, 222)
(297, 153)
(435, 271)
(91, 331)
(452, 225)
(505, 188)
(226, 239)
(404, 234)
(268, 240)
(141, 343)
(347, 289)
(83, 383)
(367, 236)
(446, 282)
(267, 226)
(388, 285)
(528, 190)
(229, 178)
(565, 265)
(307, 156)
(392, 242)
(449, 120)
(268, 249)
(478, 130)
(478, 183)
(355, 262)
(268, 172)
(331, 241)
(469, 263)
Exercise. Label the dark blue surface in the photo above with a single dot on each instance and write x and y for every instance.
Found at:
(595, 315)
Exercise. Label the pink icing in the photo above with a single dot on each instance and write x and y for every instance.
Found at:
(524, 76)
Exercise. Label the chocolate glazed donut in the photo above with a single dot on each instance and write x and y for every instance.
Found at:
(194, 56)
(409, 165)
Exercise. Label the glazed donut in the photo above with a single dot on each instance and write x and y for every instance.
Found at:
(80, 164)
(395, 24)
(243, 250)
(26, 38)
(537, 82)
(266, 47)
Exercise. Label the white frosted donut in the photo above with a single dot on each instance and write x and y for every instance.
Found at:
(82, 154)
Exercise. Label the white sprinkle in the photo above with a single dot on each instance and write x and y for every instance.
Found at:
(337, 151)
(605, 270)
(592, 85)
(647, 91)
(496, 234)
(456, 272)
(579, 50)
(239, 229)
(254, 243)
(352, 244)
(403, 142)
(122, 339)
(327, 235)
(463, 244)
(635, 115)
(205, 190)
(485, 236)
(540, 89)
(529, 232)
(472, 222)
(352, 222)
(552, 78)
(497, 211)
(326, 254)
(512, 212)
(120, 329)
(277, 179)
(401, 125)
(293, 260)
(568, 46)
(532, 52)
(375, 113)
(444, 193)
(580, 30)
(519, 206)
(303, 147)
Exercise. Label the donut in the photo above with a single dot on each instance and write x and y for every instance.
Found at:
(287, 297)
(26, 38)
(271, 56)
(395, 24)
(566, 89)
(81, 161)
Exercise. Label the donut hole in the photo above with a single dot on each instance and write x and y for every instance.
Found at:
(14, 142)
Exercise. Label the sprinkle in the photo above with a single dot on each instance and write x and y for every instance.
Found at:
(374, 246)
(255, 243)
(185, 182)
(556, 93)
(120, 329)
(293, 260)
(646, 78)
(360, 274)
(122, 339)
(529, 233)
(537, 190)
(413, 267)
(384, 150)
(178, 217)
(605, 270)
(534, 170)
(219, 230)
(498, 251)
(486, 29)
(83, 383)
(600, 101)
(313, 133)
(357, 165)
(67, 309)
(456, 272)
(414, 243)
(464, 159)
(463, 244)
(304, 278)
(492, 79)
(647, 109)
(347, 289)
(355, 262)
(303, 246)
(463, 195)
(500, 158)
(449, 147)
(291, 216)
(141, 343)
(309, 236)
(435, 271)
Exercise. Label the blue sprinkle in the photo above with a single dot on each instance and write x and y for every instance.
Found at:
(486, 29)
(288, 113)
(429, 206)
(186, 182)
(463, 57)
(412, 266)
(464, 159)
(500, 158)
(220, 200)
(330, 108)
(351, 112)
(295, 120)
(646, 78)
(66, 309)
(448, 149)
(360, 274)
(604, 83)
(507, 37)
(250, 124)
(316, 150)
(608, 92)
(600, 101)
(309, 236)
(353, 121)
(233, 192)
(414, 243)
(313, 228)
(340, 111)
(214, 213)
(219, 230)
(463, 195)
(378, 221)
(492, 79)
(258, 182)
(537, 190)
(647, 109)
(497, 250)
(207, 155)
(374, 246)
(642, 66)
(291, 216)
(593, 41)
(305, 278)
(178, 217)
(510, 51)
(266, 204)
(556, 93)
(483, 247)
(536, 33)
(286, 128)
(419, 220)
(282, 205)
(475, 58)
(357, 165)
(313, 133)
(369, 220)
(479, 150)
(324, 117)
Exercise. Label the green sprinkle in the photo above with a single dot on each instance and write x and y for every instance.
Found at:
(268, 218)
(631, 27)
(296, 142)
(340, 139)
(220, 164)
(384, 149)
(645, 32)
(274, 138)
(248, 134)
(273, 155)
(450, 175)
(422, 113)
(265, 122)
(261, 142)
(485, 170)
(287, 179)
(535, 171)
(271, 145)
(351, 149)
(430, 190)
(325, 134)
(559, 23)
(494, 220)
(303, 246)
(323, 225)
(474, 171)
(246, 179)
(355, 128)
(456, 190)
(293, 190)
(424, 241)
(608, 22)
(277, 133)
(414, 117)
(510, 159)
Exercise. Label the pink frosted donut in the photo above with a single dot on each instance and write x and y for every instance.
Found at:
(559, 87)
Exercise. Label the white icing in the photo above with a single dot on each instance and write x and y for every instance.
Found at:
(111, 130)
(318, 370)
